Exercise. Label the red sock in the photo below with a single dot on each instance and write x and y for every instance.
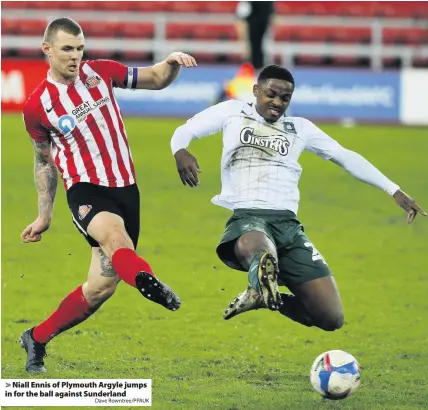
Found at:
(127, 264)
(73, 309)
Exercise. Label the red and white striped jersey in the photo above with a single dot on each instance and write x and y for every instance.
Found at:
(84, 123)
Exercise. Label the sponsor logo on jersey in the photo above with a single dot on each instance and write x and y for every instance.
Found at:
(92, 82)
(66, 124)
(84, 109)
(277, 143)
(83, 211)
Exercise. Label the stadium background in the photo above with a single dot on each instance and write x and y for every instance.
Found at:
(362, 73)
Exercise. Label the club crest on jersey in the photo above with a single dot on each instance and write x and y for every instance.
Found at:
(66, 124)
(92, 82)
(83, 211)
(289, 127)
(277, 143)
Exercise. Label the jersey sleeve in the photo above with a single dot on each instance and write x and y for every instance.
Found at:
(326, 147)
(203, 124)
(32, 123)
(121, 75)
(211, 120)
(318, 142)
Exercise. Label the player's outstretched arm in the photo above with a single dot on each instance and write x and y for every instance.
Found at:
(46, 181)
(162, 74)
(326, 147)
(363, 170)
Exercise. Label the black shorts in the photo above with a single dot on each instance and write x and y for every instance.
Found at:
(85, 200)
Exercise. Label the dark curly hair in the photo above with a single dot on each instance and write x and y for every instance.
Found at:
(275, 71)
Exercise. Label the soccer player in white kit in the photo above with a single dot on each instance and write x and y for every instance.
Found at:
(260, 174)
(76, 127)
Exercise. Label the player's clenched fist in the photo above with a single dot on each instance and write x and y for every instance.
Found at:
(33, 232)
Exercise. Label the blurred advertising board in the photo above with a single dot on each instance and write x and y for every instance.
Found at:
(19, 78)
(321, 94)
(414, 99)
(338, 94)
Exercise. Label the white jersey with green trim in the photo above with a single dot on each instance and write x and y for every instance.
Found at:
(259, 163)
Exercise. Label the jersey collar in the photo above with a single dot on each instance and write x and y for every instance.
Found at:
(57, 83)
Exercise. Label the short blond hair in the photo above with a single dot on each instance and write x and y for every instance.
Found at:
(65, 24)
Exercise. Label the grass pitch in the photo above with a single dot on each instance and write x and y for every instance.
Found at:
(259, 360)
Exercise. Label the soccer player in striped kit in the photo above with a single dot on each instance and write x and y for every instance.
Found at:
(76, 127)
(260, 174)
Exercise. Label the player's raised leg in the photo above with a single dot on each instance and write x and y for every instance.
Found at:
(109, 231)
(321, 301)
(314, 303)
(257, 253)
(73, 309)
(315, 299)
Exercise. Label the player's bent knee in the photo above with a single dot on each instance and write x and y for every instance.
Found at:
(252, 243)
(117, 238)
(331, 322)
(98, 295)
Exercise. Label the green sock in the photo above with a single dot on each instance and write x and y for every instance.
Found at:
(253, 272)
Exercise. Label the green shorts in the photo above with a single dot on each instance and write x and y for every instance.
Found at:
(299, 261)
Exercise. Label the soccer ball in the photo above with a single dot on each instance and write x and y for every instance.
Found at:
(335, 374)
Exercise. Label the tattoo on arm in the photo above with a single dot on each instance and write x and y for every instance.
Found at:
(106, 266)
(45, 177)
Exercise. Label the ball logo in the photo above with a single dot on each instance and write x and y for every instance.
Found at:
(66, 124)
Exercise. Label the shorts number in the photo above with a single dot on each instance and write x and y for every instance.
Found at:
(316, 256)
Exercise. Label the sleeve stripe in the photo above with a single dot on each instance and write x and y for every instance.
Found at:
(125, 83)
(134, 77)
